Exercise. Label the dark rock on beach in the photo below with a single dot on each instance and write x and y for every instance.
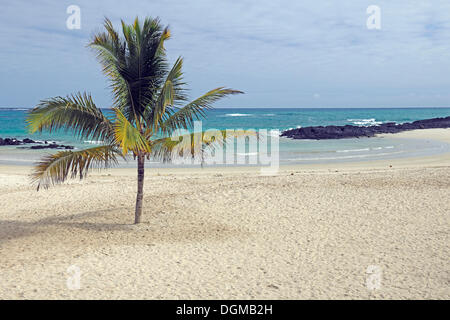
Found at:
(14, 141)
(38, 145)
(9, 142)
(26, 140)
(350, 131)
(51, 146)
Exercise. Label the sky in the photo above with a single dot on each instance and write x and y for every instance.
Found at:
(282, 54)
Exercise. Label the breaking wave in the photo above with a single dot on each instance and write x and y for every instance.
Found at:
(238, 115)
(365, 122)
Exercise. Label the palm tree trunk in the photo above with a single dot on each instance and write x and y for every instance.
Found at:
(140, 190)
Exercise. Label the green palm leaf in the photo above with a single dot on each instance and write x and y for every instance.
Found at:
(189, 145)
(127, 136)
(184, 117)
(56, 168)
(77, 113)
(171, 93)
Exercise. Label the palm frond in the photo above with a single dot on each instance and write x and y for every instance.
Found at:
(164, 37)
(171, 93)
(194, 143)
(111, 51)
(127, 136)
(135, 64)
(77, 113)
(56, 168)
(184, 117)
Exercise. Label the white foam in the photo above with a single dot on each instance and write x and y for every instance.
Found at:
(354, 150)
(365, 122)
(366, 149)
(238, 115)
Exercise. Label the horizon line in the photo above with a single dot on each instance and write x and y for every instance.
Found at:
(216, 108)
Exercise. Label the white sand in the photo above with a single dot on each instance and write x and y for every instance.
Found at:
(309, 232)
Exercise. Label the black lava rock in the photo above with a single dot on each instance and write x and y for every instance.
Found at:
(52, 146)
(15, 142)
(26, 140)
(349, 131)
(10, 142)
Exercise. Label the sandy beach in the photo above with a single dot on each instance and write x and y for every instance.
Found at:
(310, 232)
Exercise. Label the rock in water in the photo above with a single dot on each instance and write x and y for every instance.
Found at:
(349, 131)
(26, 140)
(52, 146)
(15, 142)
(11, 142)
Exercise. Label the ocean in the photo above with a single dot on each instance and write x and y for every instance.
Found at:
(12, 124)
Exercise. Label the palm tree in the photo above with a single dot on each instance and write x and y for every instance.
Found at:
(149, 105)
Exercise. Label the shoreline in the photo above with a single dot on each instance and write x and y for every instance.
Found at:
(438, 160)
(441, 135)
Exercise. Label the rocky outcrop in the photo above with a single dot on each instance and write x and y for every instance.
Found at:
(13, 141)
(10, 142)
(26, 140)
(349, 131)
(51, 146)
(37, 144)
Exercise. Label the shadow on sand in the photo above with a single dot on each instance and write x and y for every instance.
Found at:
(90, 229)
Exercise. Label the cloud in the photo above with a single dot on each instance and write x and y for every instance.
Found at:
(281, 53)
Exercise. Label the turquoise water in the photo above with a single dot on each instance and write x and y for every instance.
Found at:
(283, 119)
(12, 121)
(12, 124)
